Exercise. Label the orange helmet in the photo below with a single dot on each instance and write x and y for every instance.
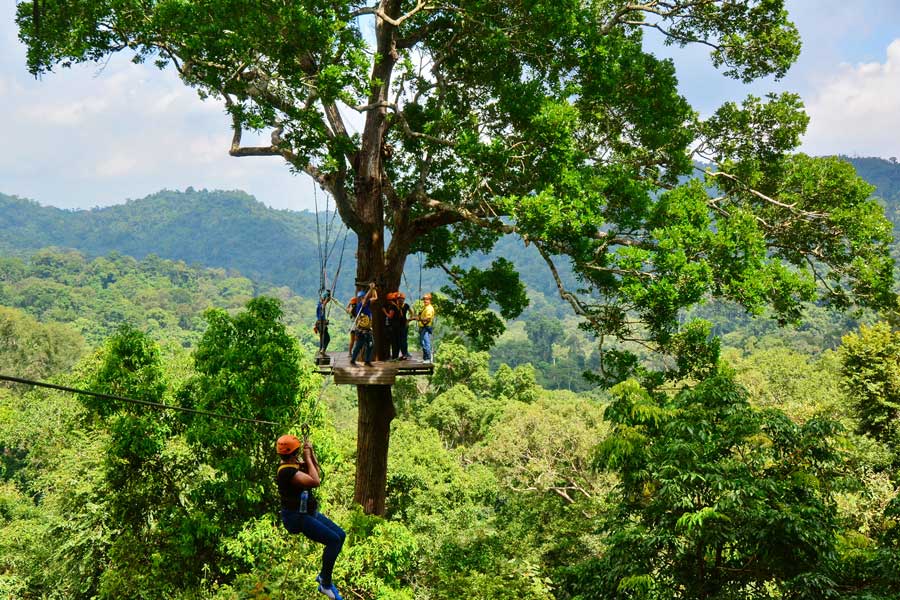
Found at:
(287, 444)
(392, 295)
(401, 296)
(353, 300)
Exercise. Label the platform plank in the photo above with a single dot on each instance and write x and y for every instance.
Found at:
(380, 373)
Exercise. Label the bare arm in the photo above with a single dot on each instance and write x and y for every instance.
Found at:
(311, 478)
(314, 458)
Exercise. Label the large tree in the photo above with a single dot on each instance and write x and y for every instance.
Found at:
(448, 124)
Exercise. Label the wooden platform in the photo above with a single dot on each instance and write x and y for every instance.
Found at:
(338, 365)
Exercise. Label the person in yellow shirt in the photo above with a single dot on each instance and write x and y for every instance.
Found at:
(426, 328)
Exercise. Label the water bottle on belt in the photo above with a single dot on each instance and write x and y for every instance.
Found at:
(304, 501)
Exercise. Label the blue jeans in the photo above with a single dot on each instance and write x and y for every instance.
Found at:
(324, 337)
(363, 339)
(321, 529)
(403, 336)
(425, 341)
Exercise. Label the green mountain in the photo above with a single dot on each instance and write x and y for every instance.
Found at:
(232, 230)
(218, 229)
(94, 296)
(222, 229)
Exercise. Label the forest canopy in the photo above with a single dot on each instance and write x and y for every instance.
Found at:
(681, 475)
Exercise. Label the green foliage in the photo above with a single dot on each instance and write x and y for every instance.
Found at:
(95, 297)
(34, 350)
(461, 416)
(717, 500)
(543, 333)
(142, 503)
(246, 365)
(870, 365)
(467, 305)
(460, 365)
(801, 386)
(515, 384)
(546, 448)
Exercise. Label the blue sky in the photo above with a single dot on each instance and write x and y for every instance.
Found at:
(92, 136)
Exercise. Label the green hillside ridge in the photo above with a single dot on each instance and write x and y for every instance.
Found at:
(95, 296)
(232, 230)
(221, 229)
(225, 229)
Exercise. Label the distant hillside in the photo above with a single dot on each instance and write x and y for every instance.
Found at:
(166, 298)
(218, 229)
(883, 174)
(231, 230)
(213, 229)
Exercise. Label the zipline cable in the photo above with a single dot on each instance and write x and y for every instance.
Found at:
(63, 388)
(321, 255)
(419, 256)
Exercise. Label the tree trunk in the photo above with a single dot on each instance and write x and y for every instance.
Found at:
(376, 411)
(376, 404)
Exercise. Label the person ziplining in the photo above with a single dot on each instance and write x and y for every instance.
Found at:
(296, 479)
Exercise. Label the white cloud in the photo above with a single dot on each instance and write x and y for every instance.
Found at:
(855, 110)
(116, 166)
(71, 113)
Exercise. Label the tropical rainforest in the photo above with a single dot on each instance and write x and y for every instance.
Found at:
(511, 475)
(697, 401)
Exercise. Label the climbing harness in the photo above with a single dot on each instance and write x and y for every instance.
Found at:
(360, 302)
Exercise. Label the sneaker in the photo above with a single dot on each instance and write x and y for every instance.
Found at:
(330, 592)
(367, 363)
(352, 363)
(404, 357)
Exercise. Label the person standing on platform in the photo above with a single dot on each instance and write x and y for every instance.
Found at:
(364, 338)
(426, 328)
(402, 326)
(351, 310)
(391, 325)
(321, 326)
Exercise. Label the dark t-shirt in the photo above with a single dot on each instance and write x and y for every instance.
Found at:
(290, 492)
(391, 316)
(401, 314)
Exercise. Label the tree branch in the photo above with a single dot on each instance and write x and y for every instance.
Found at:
(392, 106)
(812, 216)
(379, 13)
(566, 295)
(446, 214)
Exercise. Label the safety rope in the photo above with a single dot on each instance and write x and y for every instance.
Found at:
(419, 256)
(319, 243)
(63, 388)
